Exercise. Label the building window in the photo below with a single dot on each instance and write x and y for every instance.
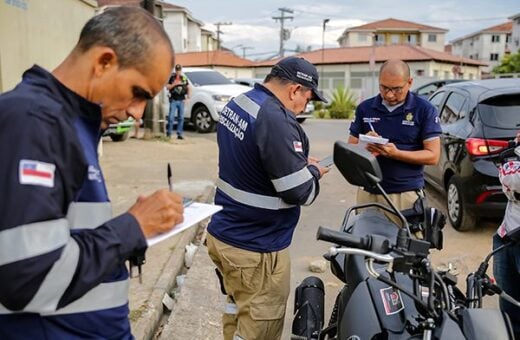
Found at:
(412, 39)
(436, 74)
(493, 56)
(419, 73)
(446, 75)
(379, 39)
(362, 37)
(432, 37)
(495, 38)
(508, 38)
(395, 39)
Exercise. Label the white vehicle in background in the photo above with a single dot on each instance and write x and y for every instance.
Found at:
(210, 91)
(309, 109)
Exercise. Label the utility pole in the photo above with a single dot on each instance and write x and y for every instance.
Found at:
(284, 33)
(219, 32)
(325, 21)
(151, 112)
(244, 48)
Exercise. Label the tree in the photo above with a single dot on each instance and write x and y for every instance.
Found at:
(510, 64)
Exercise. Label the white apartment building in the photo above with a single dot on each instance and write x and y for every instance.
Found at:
(515, 33)
(183, 29)
(394, 32)
(488, 45)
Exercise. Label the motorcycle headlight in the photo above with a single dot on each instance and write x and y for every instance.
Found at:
(221, 98)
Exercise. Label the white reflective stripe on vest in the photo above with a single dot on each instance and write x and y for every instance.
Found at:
(88, 215)
(293, 180)
(253, 200)
(247, 104)
(103, 296)
(56, 281)
(30, 240)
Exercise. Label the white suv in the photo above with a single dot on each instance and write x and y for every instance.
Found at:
(210, 91)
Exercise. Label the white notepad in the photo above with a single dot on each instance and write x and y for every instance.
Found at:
(193, 214)
(372, 139)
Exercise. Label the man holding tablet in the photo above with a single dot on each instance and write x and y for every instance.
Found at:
(409, 129)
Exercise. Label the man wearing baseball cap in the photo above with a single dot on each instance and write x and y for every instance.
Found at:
(265, 175)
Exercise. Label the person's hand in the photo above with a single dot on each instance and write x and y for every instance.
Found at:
(372, 133)
(517, 139)
(158, 213)
(388, 150)
(315, 161)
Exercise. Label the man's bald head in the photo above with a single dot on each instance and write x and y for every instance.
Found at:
(395, 67)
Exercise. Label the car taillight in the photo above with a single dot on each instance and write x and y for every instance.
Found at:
(482, 147)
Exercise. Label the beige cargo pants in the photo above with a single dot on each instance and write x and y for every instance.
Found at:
(257, 285)
(403, 200)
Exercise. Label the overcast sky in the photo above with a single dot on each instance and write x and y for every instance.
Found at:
(253, 26)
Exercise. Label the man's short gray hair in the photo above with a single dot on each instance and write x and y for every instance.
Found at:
(130, 31)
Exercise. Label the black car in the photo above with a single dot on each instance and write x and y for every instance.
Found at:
(478, 118)
(427, 89)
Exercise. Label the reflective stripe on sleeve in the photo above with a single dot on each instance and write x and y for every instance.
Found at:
(251, 199)
(293, 180)
(56, 281)
(312, 196)
(103, 296)
(30, 240)
(247, 104)
(88, 215)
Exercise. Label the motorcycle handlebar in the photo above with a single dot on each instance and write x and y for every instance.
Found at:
(343, 239)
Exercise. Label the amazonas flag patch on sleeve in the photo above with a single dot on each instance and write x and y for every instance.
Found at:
(36, 173)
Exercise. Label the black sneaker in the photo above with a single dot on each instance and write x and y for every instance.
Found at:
(180, 137)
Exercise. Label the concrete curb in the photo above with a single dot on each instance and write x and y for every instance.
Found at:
(146, 326)
(197, 312)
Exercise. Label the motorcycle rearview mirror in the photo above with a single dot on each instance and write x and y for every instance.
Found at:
(358, 166)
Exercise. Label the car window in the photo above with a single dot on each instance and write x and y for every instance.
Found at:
(451, 110)
(201, 78)
(501, 111)
(436, 100)
(427, 90)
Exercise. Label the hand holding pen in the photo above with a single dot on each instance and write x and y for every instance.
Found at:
(373, 131)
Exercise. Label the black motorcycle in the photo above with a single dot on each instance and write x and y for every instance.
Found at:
(391, 290)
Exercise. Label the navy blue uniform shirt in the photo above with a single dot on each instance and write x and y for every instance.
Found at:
(407, 127)
(263, 173)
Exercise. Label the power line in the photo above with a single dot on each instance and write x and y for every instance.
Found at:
(284, 33)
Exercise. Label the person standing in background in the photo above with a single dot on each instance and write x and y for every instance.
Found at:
(179, 89)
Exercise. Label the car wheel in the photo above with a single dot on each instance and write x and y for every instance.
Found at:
(203, 121)
(120, 137)
(300, 120)
(460, 218)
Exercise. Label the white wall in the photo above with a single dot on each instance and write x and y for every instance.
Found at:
(38, 32)
(438, 45)
(515, 41)
(194, 37)
(175, 25)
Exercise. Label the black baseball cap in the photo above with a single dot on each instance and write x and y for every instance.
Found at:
(300, 71)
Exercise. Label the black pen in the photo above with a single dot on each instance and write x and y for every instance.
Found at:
(170, 187)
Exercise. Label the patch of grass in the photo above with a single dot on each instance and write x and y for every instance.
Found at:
(136, 313)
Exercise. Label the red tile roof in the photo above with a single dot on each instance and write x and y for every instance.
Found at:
(501, 28)
(395, 24)
(359, 55)
(504, 27)
(168, 5)
(211, 58)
